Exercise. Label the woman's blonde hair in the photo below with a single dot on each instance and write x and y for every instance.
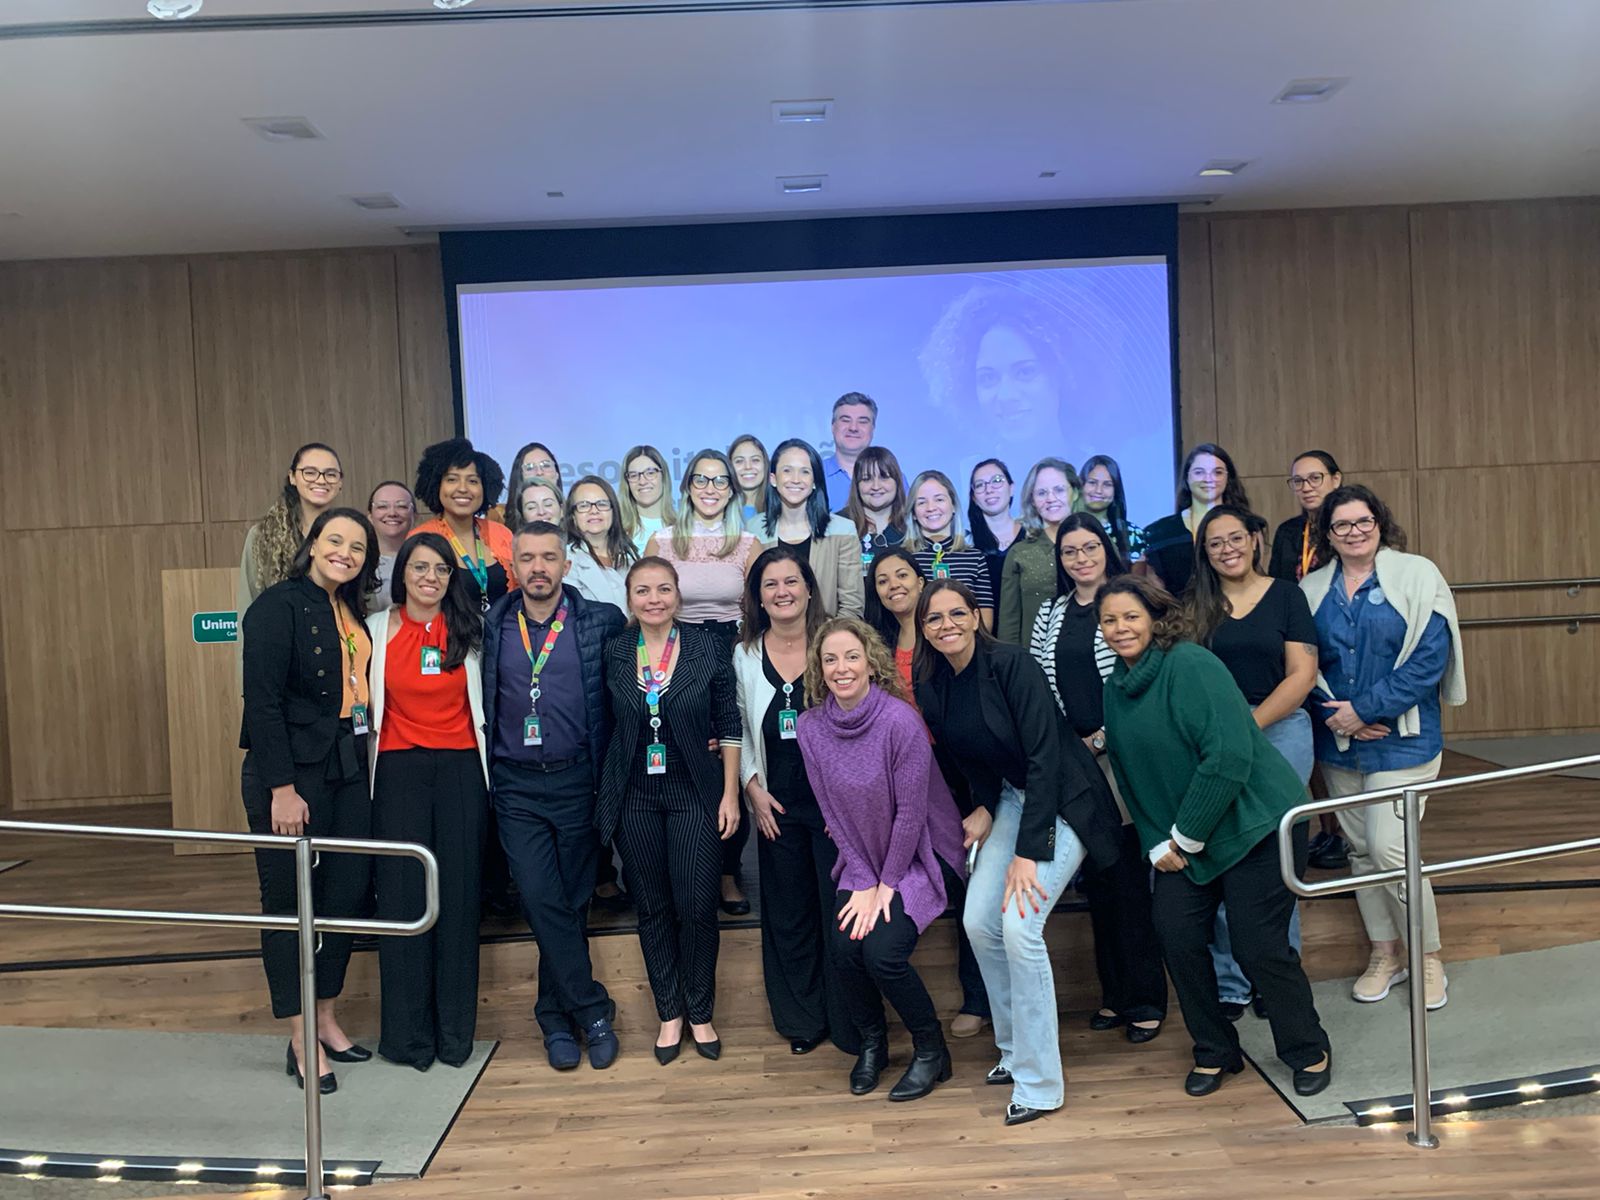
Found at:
(915, 538)
(732, 519)
(879, 659)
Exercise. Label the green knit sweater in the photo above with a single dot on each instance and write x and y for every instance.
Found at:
(1027, 584)
(1187, 752)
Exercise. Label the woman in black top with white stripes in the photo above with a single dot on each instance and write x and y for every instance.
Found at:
(1067, 643)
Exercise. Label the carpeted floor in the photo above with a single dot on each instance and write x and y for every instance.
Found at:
(1525, 751)
(196, 1095)
(1508, 1016)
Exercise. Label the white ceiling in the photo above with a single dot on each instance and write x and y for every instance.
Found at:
(132, 143)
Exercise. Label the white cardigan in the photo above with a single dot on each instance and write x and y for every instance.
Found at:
(378, 627)
(755, 696)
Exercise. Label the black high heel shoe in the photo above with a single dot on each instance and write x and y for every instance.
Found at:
(350, 1054)
(326, 1084)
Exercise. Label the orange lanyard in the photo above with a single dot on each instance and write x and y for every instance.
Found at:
(1306, 550)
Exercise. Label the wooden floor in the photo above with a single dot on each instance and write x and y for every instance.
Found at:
(763, 1123)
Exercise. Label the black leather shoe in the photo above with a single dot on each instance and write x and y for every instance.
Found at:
(1199, 1083)
(874, 1057)
(1139, 1036)
(326, 1084)
(735, 908)
(1021, 1114)
(1258, 1005)
(1309, 1083)
(665, 1054)
(804, 1045)
(1100, 1021)
(352, 1053)
(1332, 855)
(999, 1075)
(1232, 1011)
(928, 1067)
(711, 1049)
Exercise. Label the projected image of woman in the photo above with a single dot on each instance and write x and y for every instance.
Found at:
(645, 494)
(797, 515)
(750, 466)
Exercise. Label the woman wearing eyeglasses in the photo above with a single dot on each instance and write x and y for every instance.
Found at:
(797, 515)
(1389, 652)
(601, 552)
(646, 495)
(1028, 577)
(877, 505)
(1208, 480)
(392, 509)
(310, 488)
(1312, 476)
(430, 786)
(989, 521)
(533, 461)
(459, 484)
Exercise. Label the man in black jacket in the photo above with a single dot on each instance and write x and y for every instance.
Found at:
(547, 725)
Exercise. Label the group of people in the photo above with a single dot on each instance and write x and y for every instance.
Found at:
(912, 717)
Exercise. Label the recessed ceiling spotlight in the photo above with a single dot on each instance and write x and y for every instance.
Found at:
(1047, 174)
(799, 185)
(376, 201)
(801, 112)
(450, 5)
(173, 10)
(1222, 166)
(1310, 91)
(284, 129)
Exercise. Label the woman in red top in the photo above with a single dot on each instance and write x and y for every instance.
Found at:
(429, 785)
(894, 585)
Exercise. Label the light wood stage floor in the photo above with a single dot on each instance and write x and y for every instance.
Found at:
(763, 1123)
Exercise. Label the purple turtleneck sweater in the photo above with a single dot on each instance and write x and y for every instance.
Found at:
(886, 805)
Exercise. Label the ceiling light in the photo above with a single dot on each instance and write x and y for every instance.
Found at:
(450, 5)
(173, 10)
(801, 112)
(284, 129)
(799, 185)
(1310, 91)
(374, 201)
(1223, 166)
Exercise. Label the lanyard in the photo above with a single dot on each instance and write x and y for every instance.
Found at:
(1305, 550)
(938, 554)
(556, 626)
(653, 681)
(348, 637)
(479, 565)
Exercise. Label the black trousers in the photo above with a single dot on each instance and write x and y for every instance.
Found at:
(673, 859)
(430, 982)
(340, 883)
(796, 907)
(732, 849)
(1127, 953)
(1258, 921)
(546, 822)
(878, 967)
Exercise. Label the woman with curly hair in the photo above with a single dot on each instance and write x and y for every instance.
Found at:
(899, 839)
(1206, 790)
(310, 488)
(459, 483)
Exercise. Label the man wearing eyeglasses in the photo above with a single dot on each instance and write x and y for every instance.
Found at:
(855, 416)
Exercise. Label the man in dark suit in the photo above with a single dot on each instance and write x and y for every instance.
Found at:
(548, 724)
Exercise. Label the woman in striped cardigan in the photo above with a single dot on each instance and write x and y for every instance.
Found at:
(1067, 643)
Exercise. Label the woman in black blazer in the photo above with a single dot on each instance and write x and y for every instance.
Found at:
(666, 800)
(304, 734)
(990, 710)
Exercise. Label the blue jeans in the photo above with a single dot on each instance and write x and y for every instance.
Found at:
(1292, 738)
(1012, 956)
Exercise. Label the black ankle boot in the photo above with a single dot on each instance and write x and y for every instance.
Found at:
(870, 1063)
(929, 1065)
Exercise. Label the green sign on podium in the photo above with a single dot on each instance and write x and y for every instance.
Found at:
(216, 627)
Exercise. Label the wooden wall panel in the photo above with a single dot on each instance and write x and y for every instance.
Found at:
(225, 541)
(85, 689)
(1507, 301)
(424, 354)
(97, 383)
(1313, 338)
(1512, 522)
(291, 349)
(1197, 368)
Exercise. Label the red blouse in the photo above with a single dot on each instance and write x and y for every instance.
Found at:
(423, 711)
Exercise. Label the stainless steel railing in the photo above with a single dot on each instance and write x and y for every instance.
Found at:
(305, 922)
(1412, 875)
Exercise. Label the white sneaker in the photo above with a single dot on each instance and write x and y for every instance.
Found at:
(1435, 987)
(1383, 972)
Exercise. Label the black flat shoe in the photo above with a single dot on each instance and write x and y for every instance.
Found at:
(998, 1075)
(735, 908)
(1232, 1011)
(1258, 1005)
(804, 1045)
(665, 1054)
(326, 1084)
(1100, 1022)
(1139, 1036)
(874, 1057)
(352, 1053)
(1309, 1083)
(928, 1068)
(1021, 1114)
(1198, 1083)
(711, 1049)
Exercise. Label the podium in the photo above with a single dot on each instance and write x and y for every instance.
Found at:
(200, 624)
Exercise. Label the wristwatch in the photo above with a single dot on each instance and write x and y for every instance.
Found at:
(1098, 741)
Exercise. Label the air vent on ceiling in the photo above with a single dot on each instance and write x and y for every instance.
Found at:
(376, 201)
(801, 112)
(1309, 91)
(1223, 166)
(284, 129)
(800, 185)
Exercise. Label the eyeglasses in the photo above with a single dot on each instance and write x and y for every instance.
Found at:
(399, 506)
(312, 475)
(640, 476)
(584, 506)
(1314, 480)
(720, 482)
(1237, 541)
(530, 467)
(1343, 529)
(1059, 492)
(993, 481)
(936, 620)
(421, 570)
(1090, 550)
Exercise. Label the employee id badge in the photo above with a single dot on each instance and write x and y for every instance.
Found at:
(941, 571)
(358, 718)
(432, 660)
(532, 733)
(786, 720)
(866, 559)
(655, 758)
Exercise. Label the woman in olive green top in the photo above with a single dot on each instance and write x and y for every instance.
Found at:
(1206, 790)
(1028, 577)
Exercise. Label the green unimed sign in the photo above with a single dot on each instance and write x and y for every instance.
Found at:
(216, 627)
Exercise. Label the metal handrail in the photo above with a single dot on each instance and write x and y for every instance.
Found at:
(306, 923)
(1412, 875)
(1515, 585)
(1571, 620)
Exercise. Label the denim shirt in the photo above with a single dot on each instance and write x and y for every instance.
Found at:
(1358, 640)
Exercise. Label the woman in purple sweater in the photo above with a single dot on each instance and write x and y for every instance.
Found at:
(900, 844)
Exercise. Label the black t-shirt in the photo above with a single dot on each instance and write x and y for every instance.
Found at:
(1251, 647)
(1169, 549)
(1286, 547)
(1077, 675)
(786, 770)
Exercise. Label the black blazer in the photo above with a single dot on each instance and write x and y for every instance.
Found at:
(1061, 778)
(293, 683)
(700, 703)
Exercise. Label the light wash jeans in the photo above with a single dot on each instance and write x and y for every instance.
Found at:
(1292, 737)
(1012, 956)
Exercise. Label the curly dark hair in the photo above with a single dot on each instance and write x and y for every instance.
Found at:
(1168, 617)
(1389, 532)
(949, 359)
(441, 457)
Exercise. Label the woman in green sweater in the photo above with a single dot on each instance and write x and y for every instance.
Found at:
(1206, 790)
(1050, 494)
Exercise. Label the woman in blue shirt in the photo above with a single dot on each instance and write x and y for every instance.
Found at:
(1388, 652)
